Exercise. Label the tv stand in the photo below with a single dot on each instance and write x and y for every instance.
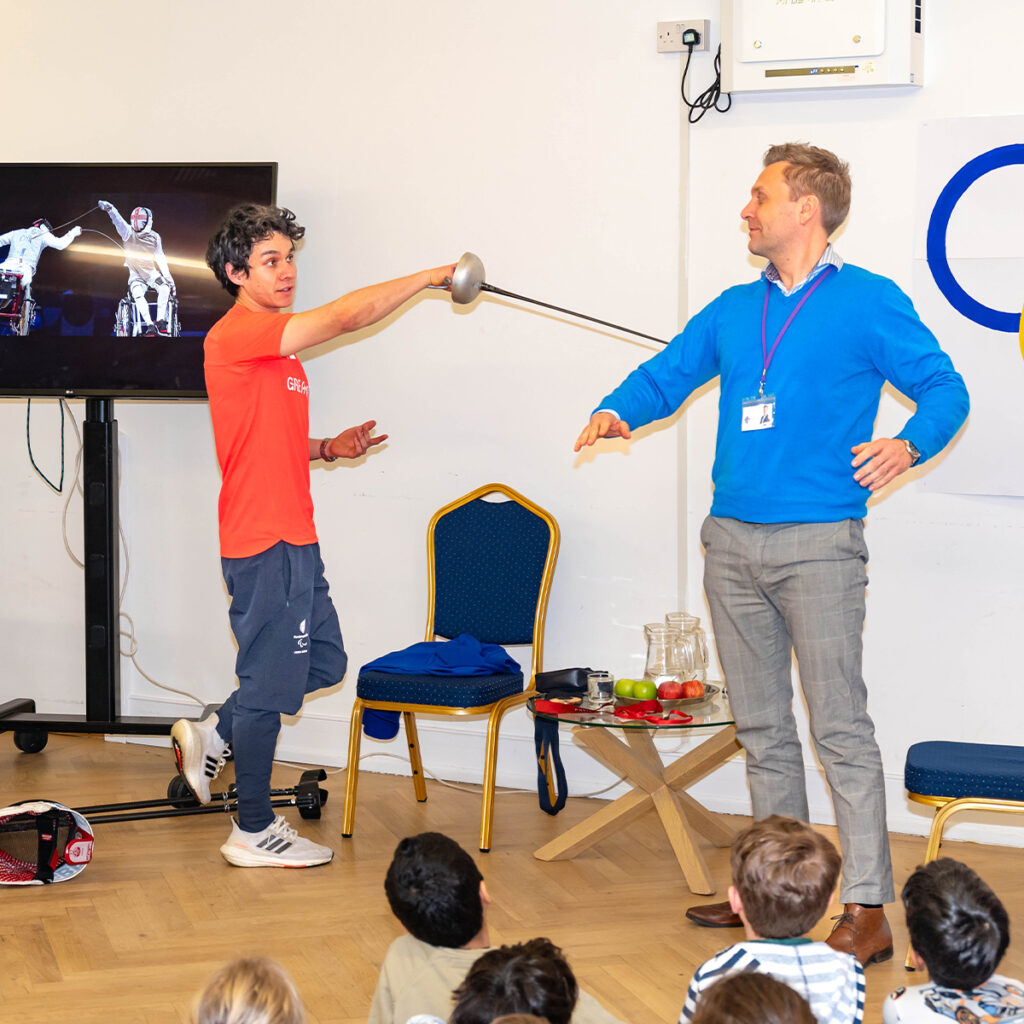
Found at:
(102, 604)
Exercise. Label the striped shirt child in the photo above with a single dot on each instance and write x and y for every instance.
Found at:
(831, 982)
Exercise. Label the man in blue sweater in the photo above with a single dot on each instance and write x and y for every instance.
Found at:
(785, 560)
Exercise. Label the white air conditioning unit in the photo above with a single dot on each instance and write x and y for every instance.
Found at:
(779, 45)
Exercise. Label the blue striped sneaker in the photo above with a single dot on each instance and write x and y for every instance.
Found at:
(277, 846)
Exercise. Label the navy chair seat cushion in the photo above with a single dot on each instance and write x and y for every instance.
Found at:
(984, 770)
(450, 691)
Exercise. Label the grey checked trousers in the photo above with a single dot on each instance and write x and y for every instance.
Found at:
(778, 588)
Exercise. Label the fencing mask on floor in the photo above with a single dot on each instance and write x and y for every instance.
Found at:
(42, 842)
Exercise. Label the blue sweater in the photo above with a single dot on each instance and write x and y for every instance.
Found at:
(855, 332)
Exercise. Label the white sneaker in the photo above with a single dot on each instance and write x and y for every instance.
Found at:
(277, 846)
(200, 753)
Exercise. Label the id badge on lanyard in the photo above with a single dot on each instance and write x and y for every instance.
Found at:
(758, 413)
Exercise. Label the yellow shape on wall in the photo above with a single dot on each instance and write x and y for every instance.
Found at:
(1020, 331)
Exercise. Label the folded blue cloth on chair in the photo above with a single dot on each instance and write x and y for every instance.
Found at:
(463, 656)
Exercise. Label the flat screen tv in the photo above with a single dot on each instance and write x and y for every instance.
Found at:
(104, 288)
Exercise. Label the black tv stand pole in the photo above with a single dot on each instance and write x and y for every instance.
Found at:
(102, 603)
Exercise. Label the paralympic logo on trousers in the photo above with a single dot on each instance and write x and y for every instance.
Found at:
(301, 639)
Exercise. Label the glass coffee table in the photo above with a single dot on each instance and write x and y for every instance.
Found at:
(627, 747)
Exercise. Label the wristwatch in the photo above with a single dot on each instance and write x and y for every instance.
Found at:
(914, 454)
(334, 458)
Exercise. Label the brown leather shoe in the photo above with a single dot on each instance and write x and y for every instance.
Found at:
(715, 915)
(864, 932)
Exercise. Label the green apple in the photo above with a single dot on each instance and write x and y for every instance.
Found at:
(644, 689)
(624, 687)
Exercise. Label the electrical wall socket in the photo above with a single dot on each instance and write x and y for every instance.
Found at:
(670, 35)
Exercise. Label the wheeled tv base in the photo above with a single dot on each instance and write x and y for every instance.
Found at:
(32, 730)
(307, 796)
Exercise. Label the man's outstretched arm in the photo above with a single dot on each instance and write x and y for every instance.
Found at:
(357, 309)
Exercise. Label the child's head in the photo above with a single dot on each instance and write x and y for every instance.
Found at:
(958, 926)
(250, 991)
(433, 887)
(532, 977)
(751, 998)
(784, 873)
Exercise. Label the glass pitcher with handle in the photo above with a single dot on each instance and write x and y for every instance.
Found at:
(694, 643)
(663, 653)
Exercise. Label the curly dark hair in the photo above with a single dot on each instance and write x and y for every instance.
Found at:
(957, 924)
(433, 888)
(532, 977)
(242, 228)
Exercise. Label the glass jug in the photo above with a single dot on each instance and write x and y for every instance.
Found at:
(694, 643)
(662, 653)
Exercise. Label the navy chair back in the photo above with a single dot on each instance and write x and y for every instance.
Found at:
(489, 559)
(489, 570)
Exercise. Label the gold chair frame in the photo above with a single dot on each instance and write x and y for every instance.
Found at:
(495, 711)
(946, 807)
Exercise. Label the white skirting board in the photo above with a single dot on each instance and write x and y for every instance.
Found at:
(454, 751)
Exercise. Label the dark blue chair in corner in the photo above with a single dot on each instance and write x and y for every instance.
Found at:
(955, 777)
(489, 571)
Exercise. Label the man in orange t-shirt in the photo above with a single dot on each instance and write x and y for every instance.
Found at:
(287, 630)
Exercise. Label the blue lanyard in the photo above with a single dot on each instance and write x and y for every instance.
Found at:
(767, 356)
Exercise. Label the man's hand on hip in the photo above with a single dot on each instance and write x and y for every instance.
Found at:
(880, 461)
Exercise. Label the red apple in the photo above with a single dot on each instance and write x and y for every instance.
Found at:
(693, 688)
(671, 689)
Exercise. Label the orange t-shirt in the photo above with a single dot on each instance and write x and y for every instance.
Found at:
(259, 404)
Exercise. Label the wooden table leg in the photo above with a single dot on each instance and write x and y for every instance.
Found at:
(691, 768)
(712, 753)
(670, 810)
(680, 835)
(619, 813)
(606, 822)
(709, 823)
(638, 761)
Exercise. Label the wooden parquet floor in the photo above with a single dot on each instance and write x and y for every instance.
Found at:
(136, 936)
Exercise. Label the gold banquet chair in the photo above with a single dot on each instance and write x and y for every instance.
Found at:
(489, 570)
(953, 777)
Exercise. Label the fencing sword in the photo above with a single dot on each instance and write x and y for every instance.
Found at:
(469, 279)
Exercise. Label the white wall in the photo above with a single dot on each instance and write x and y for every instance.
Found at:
(547, 139)
(543, 137)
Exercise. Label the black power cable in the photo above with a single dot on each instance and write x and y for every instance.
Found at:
(710, 97)
(28, 440)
